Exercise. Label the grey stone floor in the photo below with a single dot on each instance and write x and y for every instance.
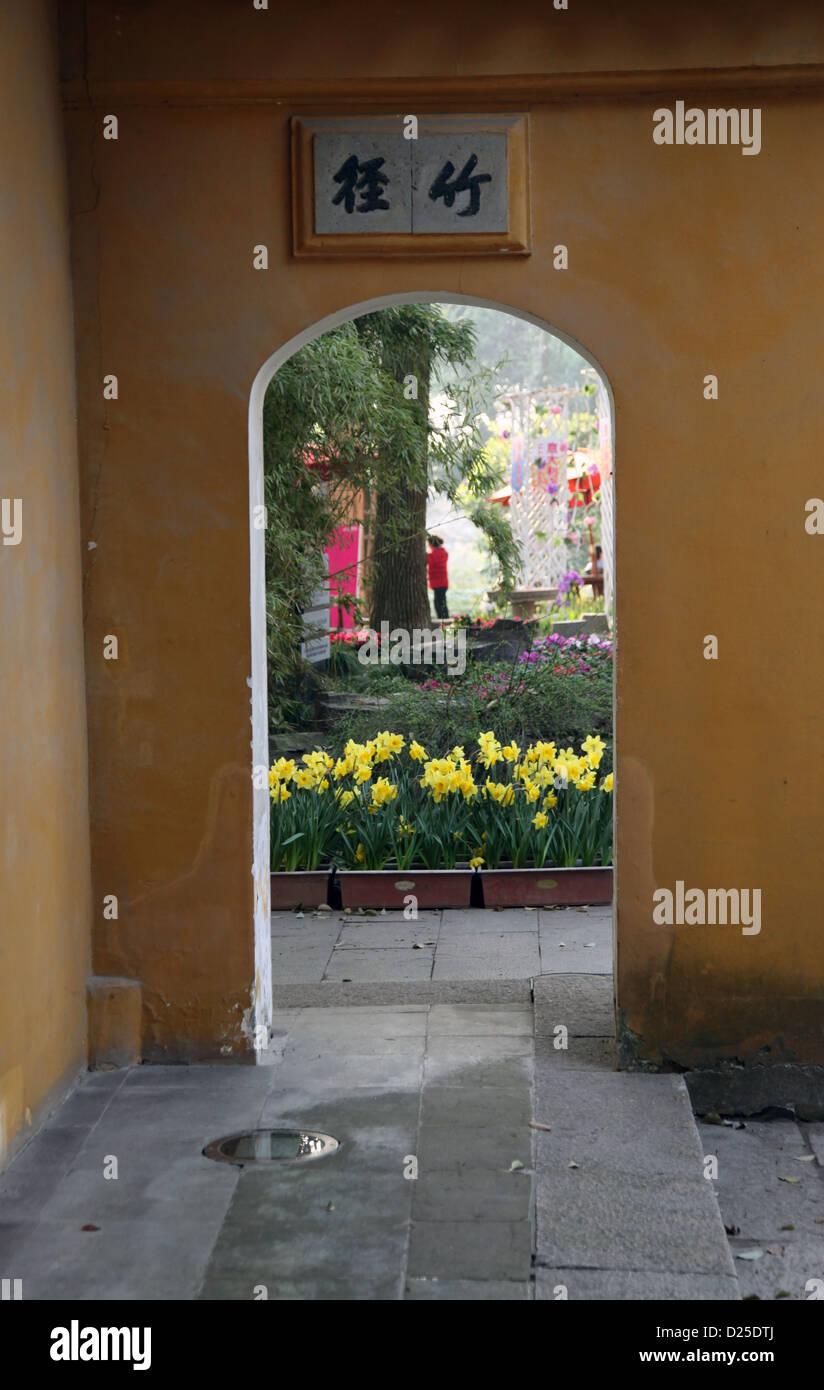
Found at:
(448, 1088)
(775, 1226)
(489, 1150)
(442, 947)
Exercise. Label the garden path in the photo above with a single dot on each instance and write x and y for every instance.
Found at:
(449, 948)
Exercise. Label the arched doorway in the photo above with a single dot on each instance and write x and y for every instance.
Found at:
(260, 756)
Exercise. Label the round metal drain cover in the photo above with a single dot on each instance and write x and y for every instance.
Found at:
(271, 1146)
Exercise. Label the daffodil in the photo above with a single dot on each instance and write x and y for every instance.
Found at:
(382, 791)
(607, 784)
(539, 820)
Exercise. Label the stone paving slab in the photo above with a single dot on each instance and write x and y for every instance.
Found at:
(469, 945)
(328, 1076)
(634, 1285)
(576, 942)
(472, 1194)
(618, 1122)
(513, 955)
(580, 1054)
(490, 1250)
(787, 1269)
(387, 934)
(619, 1175)
(308, 963)
(582, 1003)
(758, 1207)
(482, 922)
(463, 1020)
(451, 1148)
(388, 963)
(751, 1164)
(603, 1219)
(303, 995)
(466, 1290)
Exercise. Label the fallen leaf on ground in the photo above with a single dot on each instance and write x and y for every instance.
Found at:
(748, 1254)
(783, 1293)
(782, 1178)
(713, 1118)
(330, 1206)
(733, 1230)
(804, 1158)
(537, 1124)
(788, 1228)
(775, 1249)
(516, 1163)
(90, 1227)
(572, 1163)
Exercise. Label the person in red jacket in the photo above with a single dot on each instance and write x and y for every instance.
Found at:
(437, 575)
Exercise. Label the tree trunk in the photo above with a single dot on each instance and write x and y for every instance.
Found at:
(398, 573)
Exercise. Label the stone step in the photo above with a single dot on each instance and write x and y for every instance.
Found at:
(623, 1210)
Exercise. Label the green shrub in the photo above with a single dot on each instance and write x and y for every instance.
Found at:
(529, 705)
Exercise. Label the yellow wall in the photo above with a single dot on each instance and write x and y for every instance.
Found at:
(44, 924)
(683, 262)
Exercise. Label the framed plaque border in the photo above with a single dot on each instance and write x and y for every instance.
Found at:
(516, 241)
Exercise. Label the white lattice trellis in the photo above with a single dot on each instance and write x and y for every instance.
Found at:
(538, 507)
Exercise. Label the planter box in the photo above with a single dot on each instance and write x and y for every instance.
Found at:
(389, 887)
(546, 887)
(305, 888)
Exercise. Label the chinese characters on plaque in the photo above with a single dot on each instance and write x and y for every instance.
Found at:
(363, 179)
(367, 185)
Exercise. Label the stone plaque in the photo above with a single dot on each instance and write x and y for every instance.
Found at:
(410, 186)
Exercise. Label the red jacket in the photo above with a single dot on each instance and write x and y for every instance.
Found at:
(436, 568)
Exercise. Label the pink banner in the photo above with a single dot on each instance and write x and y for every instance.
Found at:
(343, 553)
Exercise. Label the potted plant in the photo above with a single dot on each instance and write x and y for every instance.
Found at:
(403, 834)
(303, 824)
(544, 826)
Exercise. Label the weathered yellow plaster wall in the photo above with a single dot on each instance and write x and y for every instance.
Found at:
(682, 262)
(44, 841)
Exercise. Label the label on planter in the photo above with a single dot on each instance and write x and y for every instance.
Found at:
(403, 883)
(547, 883)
